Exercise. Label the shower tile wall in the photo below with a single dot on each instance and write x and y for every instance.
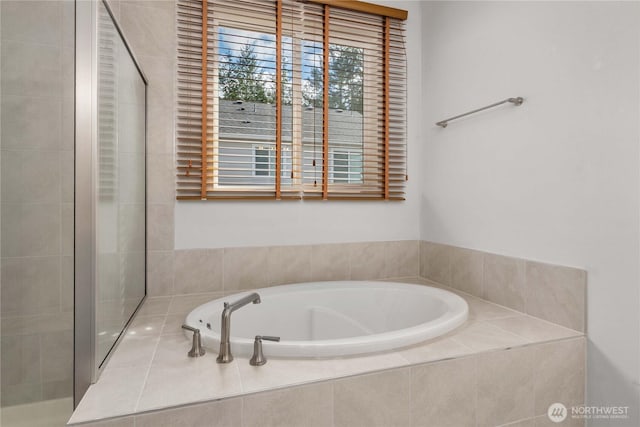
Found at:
(37, 144)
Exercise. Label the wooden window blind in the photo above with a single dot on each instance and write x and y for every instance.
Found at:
(288, 99)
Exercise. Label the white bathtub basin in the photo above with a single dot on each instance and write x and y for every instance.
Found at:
(329, 319)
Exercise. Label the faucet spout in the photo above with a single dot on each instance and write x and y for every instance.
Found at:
(224, 355)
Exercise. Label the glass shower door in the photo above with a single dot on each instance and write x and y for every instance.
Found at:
(110, 252)
(121, 186)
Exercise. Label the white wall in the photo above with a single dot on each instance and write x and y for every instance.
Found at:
(227, 224)
(556, 179)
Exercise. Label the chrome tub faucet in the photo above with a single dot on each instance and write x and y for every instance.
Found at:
(224, 355)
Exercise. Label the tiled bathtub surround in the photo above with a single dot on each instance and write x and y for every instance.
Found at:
(551, 292)
(232, 270)
(543, 361)
(540, 361)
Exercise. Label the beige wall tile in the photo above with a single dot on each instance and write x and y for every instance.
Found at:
(160, 132)
(504, 281)
(68, 69)
(149, 29)
(505, 386)
(529, 422)
(559, 374)
(557, 294)
(30, 286)
(161, 178)
(435, 262)
(330, 262)
(295, 371)
(227, 413)
(30, 229)
(30, 123)
(68, 123)
(34, 21)
(68, 23)
(19, 182)
(67, 234)
(161, 75)
(56, 353)
(21, 393)
(544, 421)
(367, 260)
(309, 406)
(66, 284)
(45, 323)
(198, 271)
(167, 5)
(444, 394)
(381, 399)
(160, 273)
(402, 258)
(67, 172)
(482, 310)
(31, 69)
(245, 268)
(183, 304)
(20, 360)
(57, 389)
(288, 264)
(160, 227)
(467, 268)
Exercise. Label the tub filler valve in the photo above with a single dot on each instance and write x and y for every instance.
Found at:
(258, 358)
(197, 349)
(224, 355)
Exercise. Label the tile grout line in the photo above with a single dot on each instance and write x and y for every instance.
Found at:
(146, 375)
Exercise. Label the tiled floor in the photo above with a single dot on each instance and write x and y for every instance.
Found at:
(150, 369)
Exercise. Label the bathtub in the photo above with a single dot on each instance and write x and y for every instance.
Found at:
(332, 319)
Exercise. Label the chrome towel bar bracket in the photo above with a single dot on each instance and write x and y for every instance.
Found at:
(515, 101)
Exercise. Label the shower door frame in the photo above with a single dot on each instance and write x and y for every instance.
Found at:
(87, 368)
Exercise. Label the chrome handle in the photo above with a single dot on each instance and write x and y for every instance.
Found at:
(196, 348)
(258, 358)
(189, 328)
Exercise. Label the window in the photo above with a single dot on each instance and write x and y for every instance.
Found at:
(346, 166)
(288, 99)
(264, 163)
